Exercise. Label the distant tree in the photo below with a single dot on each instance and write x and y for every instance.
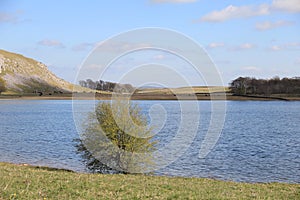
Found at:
(83, 83)
(100, 85)
(275, 85)
(91, 84)
(121, 148)
(240, 85)
(106, 86)
(2, 85)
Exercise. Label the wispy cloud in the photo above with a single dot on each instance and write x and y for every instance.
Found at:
(159, 57)
(267, 25)
(275, 48)
(288, 46)
(173, 1)
(245, 46)
(287, 5)
(237, 12)
(51, 43)
(215, 45)
(234, 12)
(6, 17)
(293, 45)
(118, 46)
(83, 46)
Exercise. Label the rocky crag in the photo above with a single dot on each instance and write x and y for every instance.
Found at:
(26, 75)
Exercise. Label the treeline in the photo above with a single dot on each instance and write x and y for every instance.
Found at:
(106, 86)
(267, 87)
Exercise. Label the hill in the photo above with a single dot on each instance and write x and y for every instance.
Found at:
(25, 75)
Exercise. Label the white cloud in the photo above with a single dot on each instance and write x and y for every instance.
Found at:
(288, 46)
(267, 25)
(292, 46)
(159, 57)
(6, 17)
(275, 48)
(118, 46)
(173, 1)
(51, 43)
(9, 17)
(287, 5)
(234, 12)
(245, 46)
(82, 46)
(215, 45)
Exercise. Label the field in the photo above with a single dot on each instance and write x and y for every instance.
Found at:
(184, 90)
(181, 93)
(28, 182)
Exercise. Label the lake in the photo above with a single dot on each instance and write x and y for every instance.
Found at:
(260, 141)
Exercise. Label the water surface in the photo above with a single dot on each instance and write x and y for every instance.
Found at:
(260, 141)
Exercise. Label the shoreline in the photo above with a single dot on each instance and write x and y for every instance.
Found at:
(202, 97)
(48, 168)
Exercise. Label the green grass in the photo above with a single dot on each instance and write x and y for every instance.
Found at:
(26, 182)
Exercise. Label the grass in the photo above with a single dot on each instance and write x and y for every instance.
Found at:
(184, 90)
(27, 182)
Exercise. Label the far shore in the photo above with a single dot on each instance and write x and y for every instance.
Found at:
(200, 97)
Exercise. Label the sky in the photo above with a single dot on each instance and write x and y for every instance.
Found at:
(243, 38)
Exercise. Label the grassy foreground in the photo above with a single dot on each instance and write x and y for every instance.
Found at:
(26, 182)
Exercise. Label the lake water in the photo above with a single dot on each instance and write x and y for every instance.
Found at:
(260, 141)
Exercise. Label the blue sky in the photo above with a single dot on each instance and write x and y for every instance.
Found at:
(244, 38)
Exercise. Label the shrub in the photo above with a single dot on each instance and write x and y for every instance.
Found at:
(118, 136)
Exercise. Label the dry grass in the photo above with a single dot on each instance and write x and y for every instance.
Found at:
(184, 90)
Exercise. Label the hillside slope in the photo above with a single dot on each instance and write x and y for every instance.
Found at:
(25, 75)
